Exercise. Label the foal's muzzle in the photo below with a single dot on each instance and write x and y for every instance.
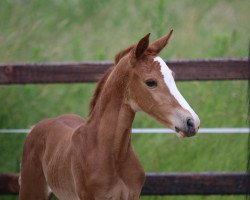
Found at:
(188, 128)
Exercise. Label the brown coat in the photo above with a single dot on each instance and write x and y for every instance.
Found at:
(93, 159)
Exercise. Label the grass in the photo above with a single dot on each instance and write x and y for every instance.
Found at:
(73, 30)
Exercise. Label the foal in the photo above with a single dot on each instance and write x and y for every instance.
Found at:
(93, 159)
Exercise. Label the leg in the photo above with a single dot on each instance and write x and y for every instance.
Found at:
(133, 175)
(32, 180)
(33, 184)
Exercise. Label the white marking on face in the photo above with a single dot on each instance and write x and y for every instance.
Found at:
(170, 83)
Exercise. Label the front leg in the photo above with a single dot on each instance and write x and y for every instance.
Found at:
(100, 187)
(133, 175)
(119, 191)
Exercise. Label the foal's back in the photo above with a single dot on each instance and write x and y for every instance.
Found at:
(48, 141)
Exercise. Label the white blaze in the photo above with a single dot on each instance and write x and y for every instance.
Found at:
(170, 82)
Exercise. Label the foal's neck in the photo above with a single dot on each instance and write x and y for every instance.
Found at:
(113, 118)
(114, 133)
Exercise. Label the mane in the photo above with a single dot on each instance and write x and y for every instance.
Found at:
(104, 78)
(122, 53)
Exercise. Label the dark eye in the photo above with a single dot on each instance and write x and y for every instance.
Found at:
(151, 83)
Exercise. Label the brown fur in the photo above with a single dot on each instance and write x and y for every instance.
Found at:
(98, 90)
(102, 81)
(94, 159)
(122, 53)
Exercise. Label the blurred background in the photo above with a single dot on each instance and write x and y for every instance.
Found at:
(33, 31)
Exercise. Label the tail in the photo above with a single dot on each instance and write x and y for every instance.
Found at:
(9, 184)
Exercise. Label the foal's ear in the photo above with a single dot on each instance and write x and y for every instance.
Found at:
(159, 44)
(141, 46)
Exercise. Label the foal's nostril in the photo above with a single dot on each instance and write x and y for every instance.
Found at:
(190, 123)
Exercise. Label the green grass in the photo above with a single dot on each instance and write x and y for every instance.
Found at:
(74, 30)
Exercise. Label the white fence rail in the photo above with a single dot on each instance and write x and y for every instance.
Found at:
(157, 130)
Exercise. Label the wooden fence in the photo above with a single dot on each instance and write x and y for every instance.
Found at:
(209, 183)
(185, 70)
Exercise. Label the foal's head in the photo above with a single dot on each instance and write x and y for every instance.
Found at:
(152, 89)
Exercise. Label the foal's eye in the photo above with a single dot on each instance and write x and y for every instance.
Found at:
(151, 83)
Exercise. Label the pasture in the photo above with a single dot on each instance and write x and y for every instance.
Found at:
(43, 31)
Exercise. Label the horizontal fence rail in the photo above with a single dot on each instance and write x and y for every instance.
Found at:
(157, 130)
(196, 184)
(169, 184)
(185, 70)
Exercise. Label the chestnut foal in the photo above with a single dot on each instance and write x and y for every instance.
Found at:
(93, 159)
